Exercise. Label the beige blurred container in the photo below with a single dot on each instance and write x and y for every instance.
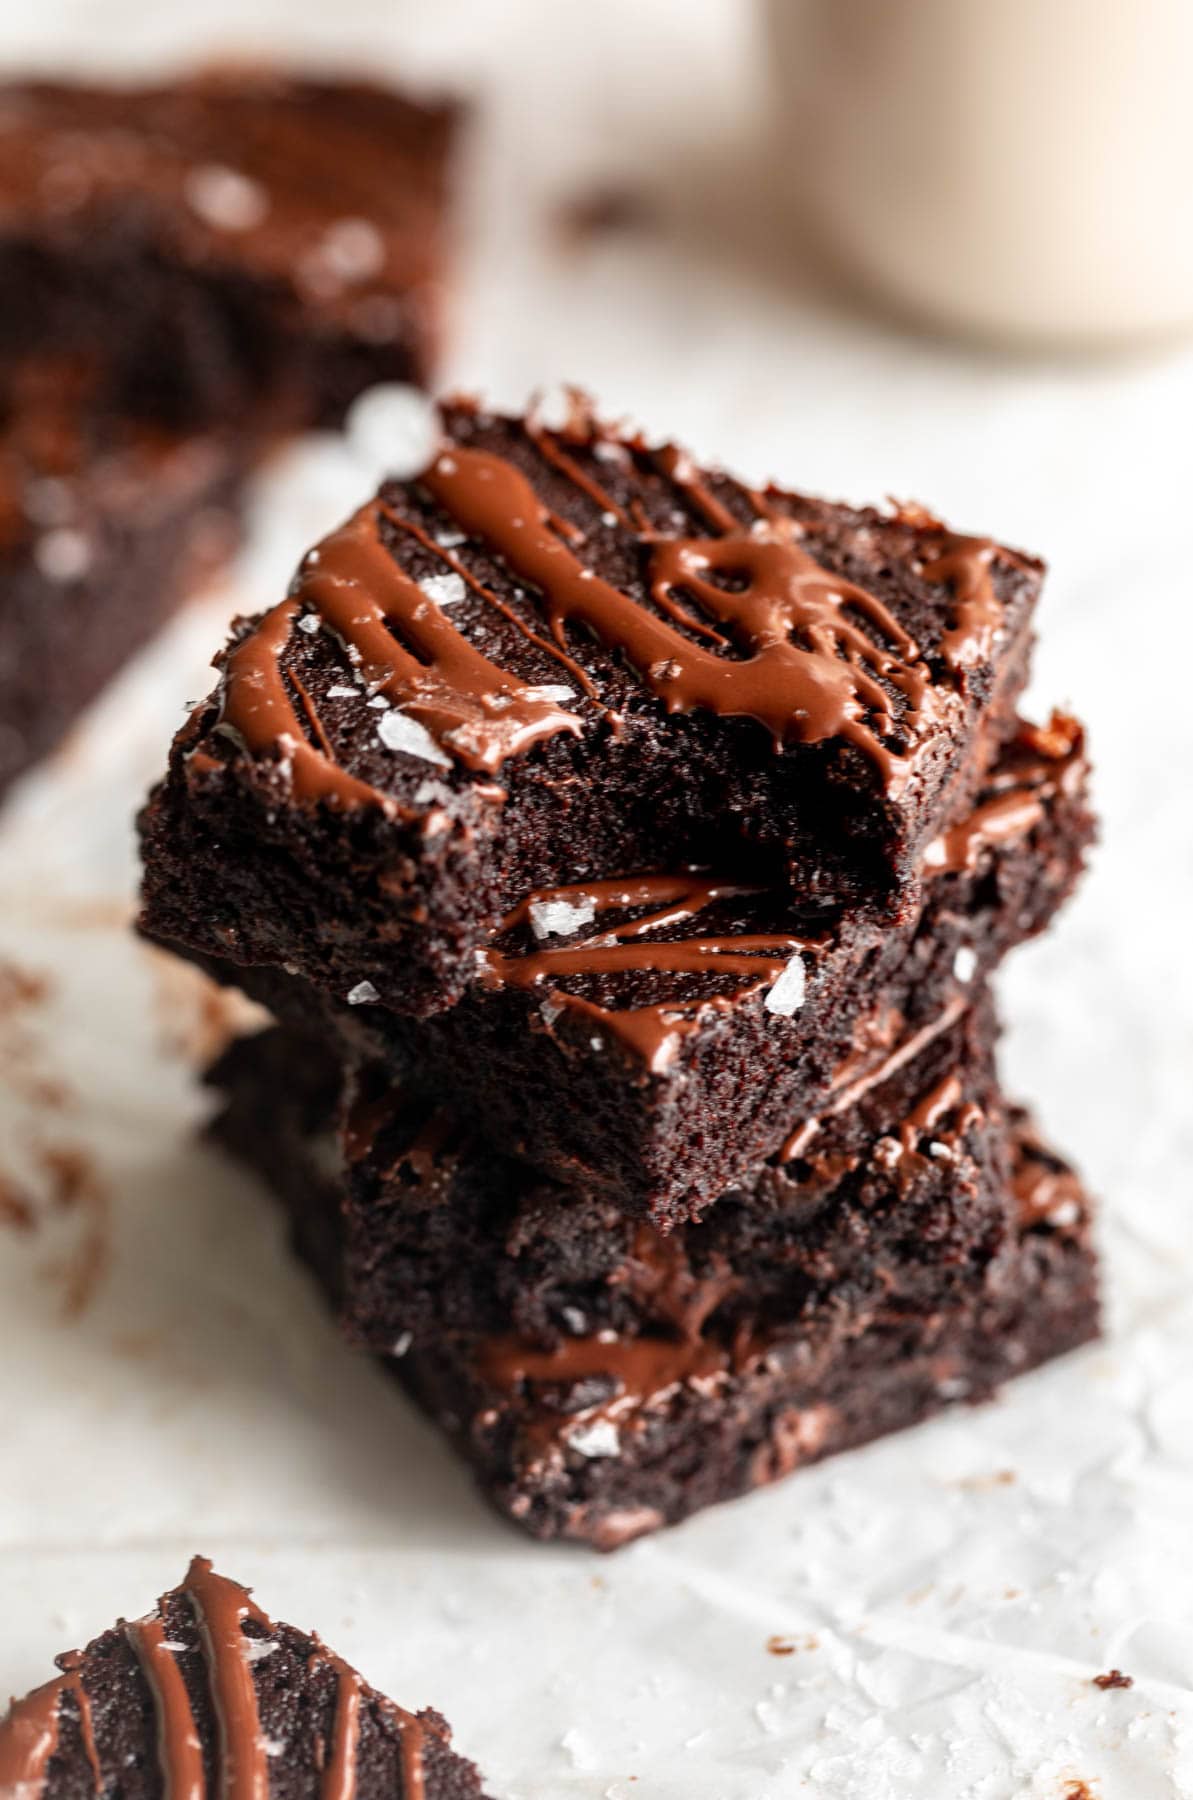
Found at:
(1017, 169)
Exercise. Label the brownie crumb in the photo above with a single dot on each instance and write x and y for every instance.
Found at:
(1113, 1679)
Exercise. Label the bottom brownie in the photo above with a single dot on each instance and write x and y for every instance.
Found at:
(605, 1439)
(920, 1246)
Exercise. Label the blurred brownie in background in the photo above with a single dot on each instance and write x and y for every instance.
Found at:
(237, 244)
(106, 525)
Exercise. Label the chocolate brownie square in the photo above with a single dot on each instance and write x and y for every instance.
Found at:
(106, 525)
(558, 653)
(918, 1244)
(240, 246)
(651, 1040)
(207, 1695)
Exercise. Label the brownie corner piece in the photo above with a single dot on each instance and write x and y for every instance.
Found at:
(206, 1689)
(238, 243)
(559, 652)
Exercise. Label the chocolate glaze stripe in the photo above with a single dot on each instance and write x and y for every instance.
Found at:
(447, 556)
(180, 1753)
(650, 1032)
(30, 1734)
(353, 583)
(963, 564)
(221, 1608)
(339, 1774)
(808, 672)
(852, 1085)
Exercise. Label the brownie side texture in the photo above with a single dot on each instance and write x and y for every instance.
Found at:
(558, 653)
(206, 1690)
(804, 1317)
(897, 1189)
(105, 527)
(657, 1082)
(237, 246)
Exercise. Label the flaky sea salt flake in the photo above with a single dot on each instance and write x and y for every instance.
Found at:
(787, 995)
(398, 731)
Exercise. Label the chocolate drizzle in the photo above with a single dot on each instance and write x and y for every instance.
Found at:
(180, 1753)
(801, 665)
(650, 1032)
(30, 1733)
(221, 1608)
(741, 621)
(964, 564)
(1045, 761)
(353, 584)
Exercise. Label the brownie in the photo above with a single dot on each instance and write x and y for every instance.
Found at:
(606, 1439)
(920, 1246)
(560, 653)
(106, 524)
(662, 1035)
(207, 1695)
(241, 245)
(898, 1187)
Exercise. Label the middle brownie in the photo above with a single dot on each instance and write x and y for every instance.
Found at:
(649, 1041)
(417, 1229)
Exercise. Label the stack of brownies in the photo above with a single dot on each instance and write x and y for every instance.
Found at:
(187, 272)
(623, 853)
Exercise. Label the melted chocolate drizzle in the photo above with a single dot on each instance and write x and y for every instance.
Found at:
(1049, 760)
(355, 587)
(768, 633)
(180, 1753)
(29, 1735)
(221, 1608)
(650, 1032)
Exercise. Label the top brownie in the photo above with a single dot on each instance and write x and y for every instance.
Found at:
(235, 239)
(560, 652)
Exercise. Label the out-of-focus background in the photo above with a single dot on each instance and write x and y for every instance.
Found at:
(934, 250)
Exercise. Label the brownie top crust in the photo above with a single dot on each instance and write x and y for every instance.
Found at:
(532, 584)
(207, 1695)
(333, 187)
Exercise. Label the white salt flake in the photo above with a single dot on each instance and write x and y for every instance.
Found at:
(273, 1746)
(341, 691)
(559, 918)
(309, 622)
(225, 198)
(549, 691)
(601, 1438)
(444, 590)
(449, 539)
(363, 994)
(62, 555)
(549, 1011)
(379, 703)
(257, 1649)
(965, 964)
(401, 1344)
(398, 731)
(787, 995)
